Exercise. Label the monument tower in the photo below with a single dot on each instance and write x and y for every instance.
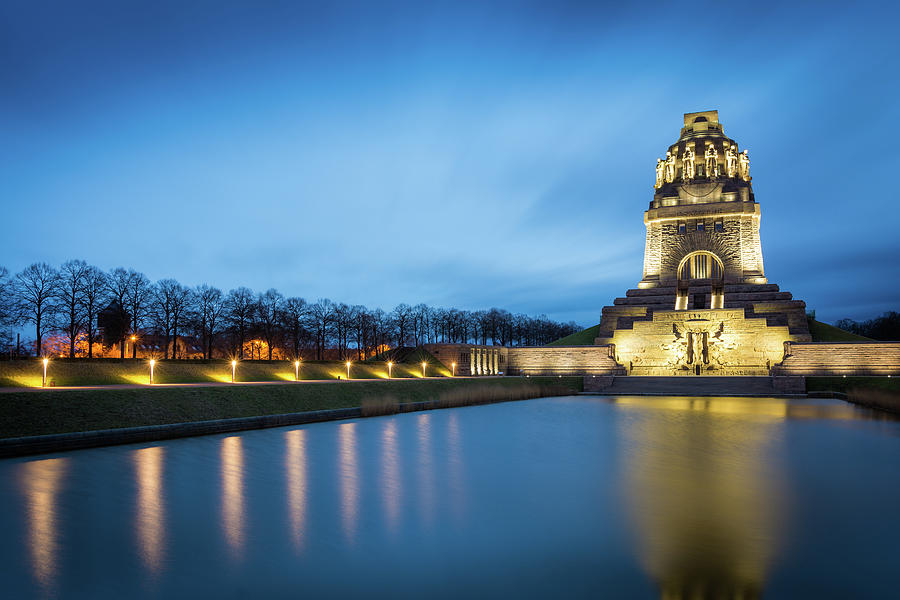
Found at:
(703, 305)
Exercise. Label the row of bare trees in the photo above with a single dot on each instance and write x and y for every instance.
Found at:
(86, 306)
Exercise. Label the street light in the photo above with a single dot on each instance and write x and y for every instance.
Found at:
(296, 370)
(348, 370)
(453, 367)
(390, 366)
(233, 367)
(44, 380)
(152, 364)
(423, 368)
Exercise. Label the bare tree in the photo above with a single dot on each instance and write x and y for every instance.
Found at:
(210, 307)
(402, 316)
(268, 309)
(118, 284)
(70, 296)
(240, 306)
(93, 295)
(138, 297)
(172, 301)
(293, 316)
(35, 292)
(321, 314)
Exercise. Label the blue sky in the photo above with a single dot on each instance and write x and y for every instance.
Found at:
(458, 154)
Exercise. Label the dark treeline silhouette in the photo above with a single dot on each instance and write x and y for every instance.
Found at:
(78, 310)
(886, 327)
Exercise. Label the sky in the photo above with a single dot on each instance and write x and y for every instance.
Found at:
(464, 154)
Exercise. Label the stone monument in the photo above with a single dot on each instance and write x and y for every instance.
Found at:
(704, 305)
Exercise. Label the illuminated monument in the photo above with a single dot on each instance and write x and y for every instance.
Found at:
(704, 305)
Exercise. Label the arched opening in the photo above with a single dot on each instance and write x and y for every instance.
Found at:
(698, 270)
(701, 120)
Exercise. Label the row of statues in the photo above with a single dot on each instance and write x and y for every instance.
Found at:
(736, 165)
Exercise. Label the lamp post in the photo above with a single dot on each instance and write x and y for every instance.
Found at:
(348, 370)
(152, 364)
(44, 380)
(453, 369)
(133, 346)
(296, 370)
(233, 368)
(390, 366)
(423, 368)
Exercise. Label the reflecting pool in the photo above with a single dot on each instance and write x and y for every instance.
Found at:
(556, 497)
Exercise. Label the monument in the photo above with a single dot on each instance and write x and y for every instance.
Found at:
(704, 305)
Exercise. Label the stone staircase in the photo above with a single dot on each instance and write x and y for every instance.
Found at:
(695, 385)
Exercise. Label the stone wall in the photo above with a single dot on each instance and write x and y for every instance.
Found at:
(561, 360)
(711, 341)
(840, 358)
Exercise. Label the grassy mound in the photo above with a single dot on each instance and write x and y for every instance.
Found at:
(582, 338)
(63, 372)
(42, 412)
(823, 332)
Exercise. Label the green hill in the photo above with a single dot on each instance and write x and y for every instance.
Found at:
(581, 338)
(823, 332)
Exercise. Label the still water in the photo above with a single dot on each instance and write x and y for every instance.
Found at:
(557, 497)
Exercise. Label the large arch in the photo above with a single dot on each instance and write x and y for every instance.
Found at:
(705, 268)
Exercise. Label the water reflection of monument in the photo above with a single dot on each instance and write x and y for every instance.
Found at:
(704, 493)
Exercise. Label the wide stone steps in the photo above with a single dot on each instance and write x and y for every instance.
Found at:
(681, 386)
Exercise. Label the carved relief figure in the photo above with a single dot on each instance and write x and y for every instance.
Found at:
(712, 161)
(687, 164)
(744, 165)
(670, 167)
(731, 161)
(660, 173)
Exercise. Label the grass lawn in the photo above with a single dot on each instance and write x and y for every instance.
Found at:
(845, 384)
(823, 332)
(63, 372)
(48, 411)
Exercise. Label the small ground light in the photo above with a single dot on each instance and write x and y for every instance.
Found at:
(44, 380)
(390, 366)
(348, 369)
(152, 364)
(296, 370)
(233, 368)
(424, 364)
(453, 369)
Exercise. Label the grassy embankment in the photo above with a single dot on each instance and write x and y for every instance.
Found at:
(63, 372)
(30, 413)
(873, 392)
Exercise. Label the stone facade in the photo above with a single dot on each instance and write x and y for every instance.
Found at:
(470, 359)
(563, 360)
(840, 358)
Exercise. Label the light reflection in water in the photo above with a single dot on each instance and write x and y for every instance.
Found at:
(295, 467)
(40, 481)
(426, 467)
(455, 465)
(349, 470)
(391, 487)
(703, 488)
(149, 513)
(233, 493)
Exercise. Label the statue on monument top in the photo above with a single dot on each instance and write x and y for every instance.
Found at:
(712, 162)
(670, 167)
(660, 173)
(687, 164)
(731, 161)
(744, 165)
